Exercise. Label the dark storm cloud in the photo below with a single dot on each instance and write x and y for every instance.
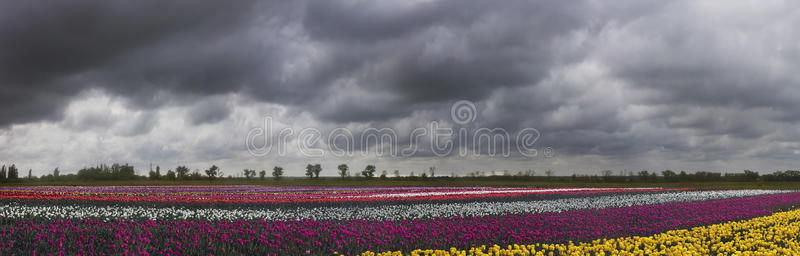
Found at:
(138, 50)
(43, 40)
(615, 79)
(442, 50)
(53, 51)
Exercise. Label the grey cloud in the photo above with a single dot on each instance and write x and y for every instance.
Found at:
(143, 50)
(136, 124)
(429, 53)
(209, 111)
(53, 51)
(618, 79)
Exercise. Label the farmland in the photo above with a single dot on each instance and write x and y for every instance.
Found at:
(396, 220)
(392, 128)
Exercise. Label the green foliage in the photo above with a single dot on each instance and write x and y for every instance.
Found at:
(750, 175)
(788, 175)
(105, 172)
(212, 172)
(747, 175)
(343, 170)
(13, 173)
(369, 171)
(317, 170)
(171, 175)
(126, 172)
(155, 175)
(249, 173)
(312, 171)
(707, 176)
(277, 172)
(669, 175)
(195, 175)
(182, 172)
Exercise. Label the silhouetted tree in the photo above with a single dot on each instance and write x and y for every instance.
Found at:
(105, 172)
(13, 173)
(644, 174)
(750, 175)
(154, 175)
(195, 175)
(707, 176)
(277, 172)
(669, 175)
(170, 175)
(310, 171)
(317, 170)
(212, 172)
(249, 173)
(369, 171)
(182, 172)
(343, 170)
(262, 174)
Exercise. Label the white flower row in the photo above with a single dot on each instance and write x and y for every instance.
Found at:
(379, 212)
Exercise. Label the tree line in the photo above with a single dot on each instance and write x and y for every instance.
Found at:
(312, 171)
(126, 171)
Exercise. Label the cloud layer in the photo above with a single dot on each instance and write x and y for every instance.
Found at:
(612, 85)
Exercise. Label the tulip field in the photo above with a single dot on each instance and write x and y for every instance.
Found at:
(264, 220)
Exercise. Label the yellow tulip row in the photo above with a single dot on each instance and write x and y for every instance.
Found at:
(776, 234)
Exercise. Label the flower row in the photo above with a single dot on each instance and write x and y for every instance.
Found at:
(776, 234)
(122, 236)
(376, 212)
(256, 194)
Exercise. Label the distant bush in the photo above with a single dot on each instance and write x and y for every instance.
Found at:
(105, 172)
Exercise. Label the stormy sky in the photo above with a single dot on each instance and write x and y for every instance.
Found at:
(682, 85)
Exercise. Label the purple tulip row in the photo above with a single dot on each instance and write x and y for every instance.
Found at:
(355, 236)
